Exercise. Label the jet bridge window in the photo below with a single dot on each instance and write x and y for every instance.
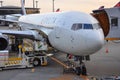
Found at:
(114, 22)
(76, 27)
(88, 26)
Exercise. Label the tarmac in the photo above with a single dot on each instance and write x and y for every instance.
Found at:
(106, 61)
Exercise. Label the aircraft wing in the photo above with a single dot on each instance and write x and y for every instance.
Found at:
(34, 35)
(16, 15)
(9, 20)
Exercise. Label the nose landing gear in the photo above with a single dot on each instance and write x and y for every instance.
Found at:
(81, 68)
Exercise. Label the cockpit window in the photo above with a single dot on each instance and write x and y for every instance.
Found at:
(96, 26)
(76, 26)
(88, 26)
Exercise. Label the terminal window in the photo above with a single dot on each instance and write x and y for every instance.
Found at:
(114, 22)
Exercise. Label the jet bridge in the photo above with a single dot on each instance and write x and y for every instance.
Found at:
(109, 19)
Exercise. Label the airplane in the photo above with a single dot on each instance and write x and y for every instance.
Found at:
(79, 35)
(71, 32)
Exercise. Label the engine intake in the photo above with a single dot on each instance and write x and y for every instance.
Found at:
(3, 43)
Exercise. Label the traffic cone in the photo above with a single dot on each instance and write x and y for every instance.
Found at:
(106, 50)
(33, 70)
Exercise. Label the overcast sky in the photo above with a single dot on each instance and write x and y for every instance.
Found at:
(66, 5)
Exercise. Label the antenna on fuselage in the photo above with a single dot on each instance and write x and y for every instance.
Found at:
(23, 7)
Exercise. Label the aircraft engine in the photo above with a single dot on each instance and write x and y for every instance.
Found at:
(3, 43)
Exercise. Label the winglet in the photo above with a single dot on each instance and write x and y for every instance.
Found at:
(101, 7)
(58, 10)
(117, 5)
(23, 7)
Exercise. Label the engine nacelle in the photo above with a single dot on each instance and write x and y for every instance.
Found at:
(3, 42)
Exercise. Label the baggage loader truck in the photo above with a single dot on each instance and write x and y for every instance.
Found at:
(21, 61)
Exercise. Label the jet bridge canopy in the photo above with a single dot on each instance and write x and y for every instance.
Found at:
(109, 19)
(102, 17)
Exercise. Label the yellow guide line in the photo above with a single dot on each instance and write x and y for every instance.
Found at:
(112, 39)
(58, 61)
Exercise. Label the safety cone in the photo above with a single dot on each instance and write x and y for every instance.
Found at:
(106, 50)
(33, 70)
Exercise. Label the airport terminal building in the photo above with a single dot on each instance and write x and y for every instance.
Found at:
(5, 10)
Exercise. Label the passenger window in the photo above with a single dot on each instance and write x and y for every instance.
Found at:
(88, 26)
(76, 27)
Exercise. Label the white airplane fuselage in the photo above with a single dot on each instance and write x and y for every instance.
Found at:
(72, 32)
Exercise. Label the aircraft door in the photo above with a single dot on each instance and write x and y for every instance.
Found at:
(57, 33)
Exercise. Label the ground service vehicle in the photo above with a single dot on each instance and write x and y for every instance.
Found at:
(21, 61)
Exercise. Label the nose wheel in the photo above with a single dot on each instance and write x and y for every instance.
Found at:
(81, 68)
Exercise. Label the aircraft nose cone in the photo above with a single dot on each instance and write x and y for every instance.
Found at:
(95, 42)
(99, 41)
